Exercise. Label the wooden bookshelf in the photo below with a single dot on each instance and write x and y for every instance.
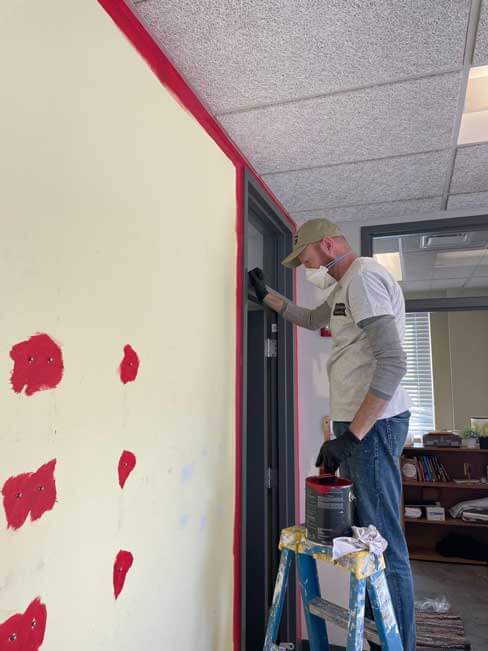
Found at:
(419, 450)
(423, 535)
(448, 522)
(448, 484)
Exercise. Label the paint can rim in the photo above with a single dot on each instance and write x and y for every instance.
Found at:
(327, 482)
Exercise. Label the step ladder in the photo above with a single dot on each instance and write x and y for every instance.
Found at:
(367, 573)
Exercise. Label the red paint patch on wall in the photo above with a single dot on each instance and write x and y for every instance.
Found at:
(129, 366)
(127, 463)
(11, 633)
(24, 632)
(31, 492)
(123, 563)
(42, 487)
(35, 618)
(16, 502)
(38, 364)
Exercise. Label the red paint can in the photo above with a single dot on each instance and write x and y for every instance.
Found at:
(328, 508)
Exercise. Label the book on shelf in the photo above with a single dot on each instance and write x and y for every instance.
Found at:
(428, 468)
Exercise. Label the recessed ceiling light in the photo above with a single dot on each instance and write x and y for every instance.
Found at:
(474, 123)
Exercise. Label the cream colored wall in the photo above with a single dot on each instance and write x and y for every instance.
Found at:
(118, 226)
(460, 363)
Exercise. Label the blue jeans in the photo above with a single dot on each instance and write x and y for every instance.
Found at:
(374, 468)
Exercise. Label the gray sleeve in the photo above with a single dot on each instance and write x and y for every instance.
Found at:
(310, 319)
(391, 360)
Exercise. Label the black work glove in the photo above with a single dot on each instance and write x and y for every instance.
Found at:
(256, 277)
(333, 453)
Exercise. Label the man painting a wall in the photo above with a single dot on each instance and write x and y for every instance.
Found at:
(366, 313)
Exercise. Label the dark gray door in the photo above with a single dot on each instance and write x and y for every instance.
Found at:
(268, 432)
(261, 480)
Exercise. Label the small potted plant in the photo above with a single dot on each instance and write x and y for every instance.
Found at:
(480, 426)
(470, 437)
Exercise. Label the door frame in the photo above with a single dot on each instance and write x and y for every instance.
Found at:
(254, 196)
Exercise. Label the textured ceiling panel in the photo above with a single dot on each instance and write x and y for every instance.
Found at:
(477, 281)
(403, 118)
(480, 57)
(239, 54)
(470, 170)
(471, 201)
(372, 211)
(406, 177)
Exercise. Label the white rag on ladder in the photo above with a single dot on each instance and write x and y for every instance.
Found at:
(364, 538)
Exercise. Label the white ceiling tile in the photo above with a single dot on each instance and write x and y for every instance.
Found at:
(452, 274)
(389, 120)
(240, 54)
(477, 281)
(480, 57)
(447, 283)
(390, 179)
(415, 285)
(474, 200)
(417, 266)
(470, 169)
(370, 212)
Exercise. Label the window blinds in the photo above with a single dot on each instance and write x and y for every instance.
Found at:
(418, 378)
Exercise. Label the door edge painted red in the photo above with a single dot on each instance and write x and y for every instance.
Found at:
(137, 34)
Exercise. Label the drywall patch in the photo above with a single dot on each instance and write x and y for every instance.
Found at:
(187, 472)
(129, 366)
(30, 492)
(127, 463)
(38, 364)
(123, 563)
(24, 632)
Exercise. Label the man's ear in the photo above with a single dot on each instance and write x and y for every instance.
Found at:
(326, 244)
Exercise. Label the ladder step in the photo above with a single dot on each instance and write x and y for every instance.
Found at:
(340, 616)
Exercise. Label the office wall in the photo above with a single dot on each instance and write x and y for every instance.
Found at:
(460, 362)
(118, 227)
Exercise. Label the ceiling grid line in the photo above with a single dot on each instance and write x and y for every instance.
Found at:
(352, 162)
(470, 43)
(342, 91)
(359, 205)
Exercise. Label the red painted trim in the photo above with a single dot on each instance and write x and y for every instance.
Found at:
(239, 406)
(168, 75)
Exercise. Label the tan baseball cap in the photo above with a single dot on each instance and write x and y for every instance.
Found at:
(312, 231)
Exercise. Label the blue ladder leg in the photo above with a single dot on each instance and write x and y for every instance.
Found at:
(274, 617)
(355, 631)
(309, 586)
(384, 615)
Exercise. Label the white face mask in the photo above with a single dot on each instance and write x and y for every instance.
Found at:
(321, 277)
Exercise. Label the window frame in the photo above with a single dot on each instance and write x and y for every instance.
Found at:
(435, 226)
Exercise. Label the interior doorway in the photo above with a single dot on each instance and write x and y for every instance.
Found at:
(268, 444)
